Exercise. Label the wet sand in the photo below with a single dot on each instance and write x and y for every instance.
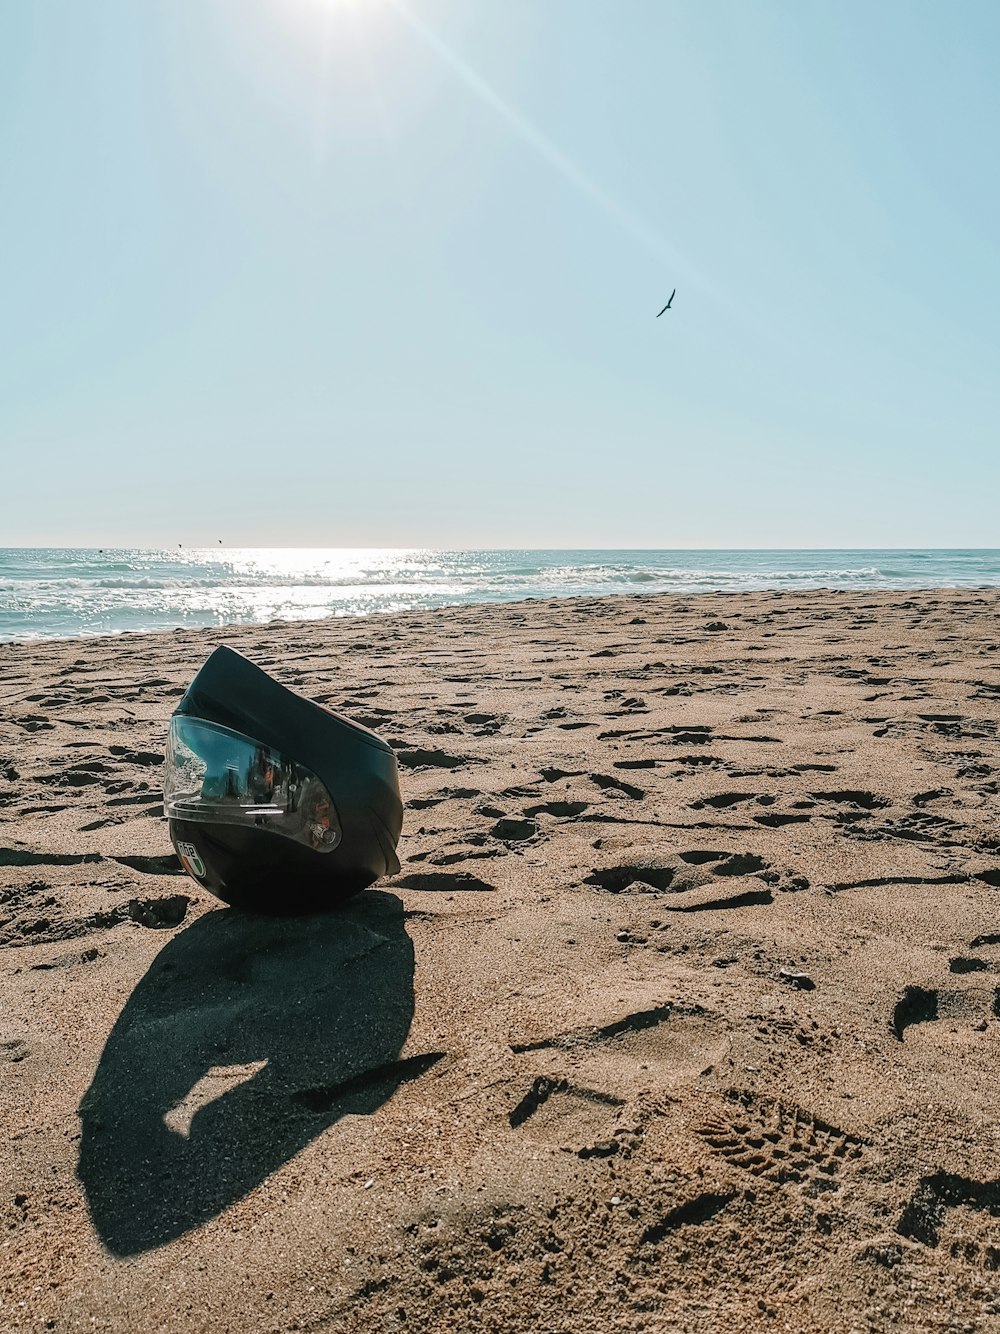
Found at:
(681, 1014)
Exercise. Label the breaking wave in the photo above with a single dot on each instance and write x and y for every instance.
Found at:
(54, 592)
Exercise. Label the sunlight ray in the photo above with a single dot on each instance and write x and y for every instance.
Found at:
(638, 228)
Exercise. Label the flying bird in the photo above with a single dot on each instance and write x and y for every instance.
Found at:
(667, 306)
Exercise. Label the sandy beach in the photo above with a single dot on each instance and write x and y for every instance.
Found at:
(680, 1015)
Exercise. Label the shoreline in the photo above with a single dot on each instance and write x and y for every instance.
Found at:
(114, 636)
(70, 593)
(689, 980)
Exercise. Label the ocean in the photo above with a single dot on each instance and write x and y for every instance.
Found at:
(53, 592)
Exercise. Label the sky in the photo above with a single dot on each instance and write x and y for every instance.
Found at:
(386, 273)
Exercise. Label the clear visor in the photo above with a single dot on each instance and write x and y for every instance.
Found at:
(215, 776)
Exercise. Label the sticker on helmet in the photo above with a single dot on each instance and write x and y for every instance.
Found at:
(191, 860)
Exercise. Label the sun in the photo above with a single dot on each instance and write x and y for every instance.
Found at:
(331, 15)
(352, 11)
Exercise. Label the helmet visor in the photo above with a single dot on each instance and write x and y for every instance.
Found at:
(213, 775)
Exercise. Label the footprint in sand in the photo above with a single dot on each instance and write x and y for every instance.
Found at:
(677, 1042)
(963, 963)
(691, 880)
(925, 1218)
(445, 794)
(34, 723)
(146, 759)
(485, 724)
(391, 1075)
(472, 850)
(919, 1005)
(26, 857)
(14, 1050)
(49, 926)
(700, 761)
(858, 798)
(781, 1143)
(576, 1118)
(168, 864)
(77, 775)
(437, 882)
(778, 819)
(509, 829)
(563, 810)
(721, 800)
(430, 759)
(608, 783)
(631, 878)
(159, 913)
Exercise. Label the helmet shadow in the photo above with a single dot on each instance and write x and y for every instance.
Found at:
(247, 1038)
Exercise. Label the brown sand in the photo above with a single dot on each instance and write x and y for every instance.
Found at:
(680, 1016)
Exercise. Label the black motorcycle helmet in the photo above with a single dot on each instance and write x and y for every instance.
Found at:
(274, 803)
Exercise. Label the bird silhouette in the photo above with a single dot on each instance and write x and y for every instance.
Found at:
(667, 306)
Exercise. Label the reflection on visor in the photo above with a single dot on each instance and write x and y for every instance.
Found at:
(216, 776)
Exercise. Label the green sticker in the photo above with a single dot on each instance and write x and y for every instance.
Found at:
(191, 860)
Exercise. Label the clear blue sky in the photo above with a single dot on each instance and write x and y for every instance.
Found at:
(386, 272)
